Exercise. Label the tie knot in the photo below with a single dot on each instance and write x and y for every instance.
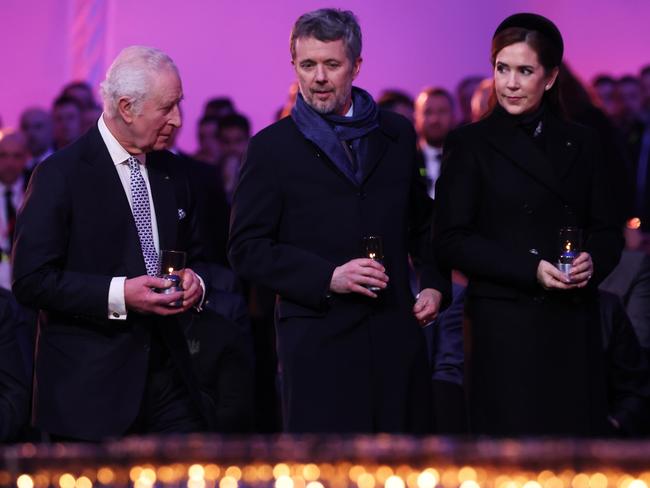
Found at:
(134, 164)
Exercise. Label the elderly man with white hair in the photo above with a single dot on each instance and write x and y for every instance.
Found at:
(111, 357)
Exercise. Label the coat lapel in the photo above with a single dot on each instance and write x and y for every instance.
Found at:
(516, 146)
(377, 145)
(115, 201)
(164, 198)
(562, 147)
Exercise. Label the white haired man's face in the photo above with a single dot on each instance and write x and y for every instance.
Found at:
(159, 115)
(325, 74)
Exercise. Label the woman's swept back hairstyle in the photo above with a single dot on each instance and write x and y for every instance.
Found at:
(543, 37)
(329, 24)
(131, 75)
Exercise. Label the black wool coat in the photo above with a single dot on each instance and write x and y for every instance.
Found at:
(348, 363)
(535, 361)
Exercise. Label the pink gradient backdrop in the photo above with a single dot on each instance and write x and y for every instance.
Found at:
(241, 48)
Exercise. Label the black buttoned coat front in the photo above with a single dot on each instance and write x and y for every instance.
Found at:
(535, 358)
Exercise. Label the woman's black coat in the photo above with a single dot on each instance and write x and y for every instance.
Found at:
(535, 356)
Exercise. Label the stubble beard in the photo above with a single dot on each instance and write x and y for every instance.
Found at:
(333, 106)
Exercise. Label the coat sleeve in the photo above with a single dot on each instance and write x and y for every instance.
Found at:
(14, 383)
(255, 249)
(432, 274)
(40, 279)
(604, 237)
(459, 193)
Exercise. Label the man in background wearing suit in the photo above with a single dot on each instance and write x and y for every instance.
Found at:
(312, 186)
(13, 158)
(434, 118)
(111, 357)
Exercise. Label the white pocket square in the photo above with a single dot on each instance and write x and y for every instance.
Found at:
(181, 214)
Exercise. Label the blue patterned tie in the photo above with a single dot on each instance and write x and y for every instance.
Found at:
(142, 217)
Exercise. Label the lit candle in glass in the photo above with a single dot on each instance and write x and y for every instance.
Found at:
(570, 242)
(373, 248)
(171, 264)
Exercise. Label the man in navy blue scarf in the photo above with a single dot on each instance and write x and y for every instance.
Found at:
(351, 351)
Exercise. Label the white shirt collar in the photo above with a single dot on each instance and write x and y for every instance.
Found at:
(118, 154)
(16, 187)
(350, 112)
(430, 151)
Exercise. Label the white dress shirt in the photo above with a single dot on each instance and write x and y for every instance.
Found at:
(120, 156)
(17, 189)
(432, 157)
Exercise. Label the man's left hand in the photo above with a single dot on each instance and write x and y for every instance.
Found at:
(192, 291)
(427, 305)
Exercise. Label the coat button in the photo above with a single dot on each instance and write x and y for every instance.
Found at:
(533, 251)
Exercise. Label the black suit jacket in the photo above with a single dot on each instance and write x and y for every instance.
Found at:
(211, 205)
(348, 363)
(14, 369)
(74, 233)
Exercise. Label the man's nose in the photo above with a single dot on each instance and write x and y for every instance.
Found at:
(321, 74)
(176, 119)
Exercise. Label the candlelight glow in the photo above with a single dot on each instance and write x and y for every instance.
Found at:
(634, 223)
(311, 472)
(366, 480)
(427, 480)
(394, 482)
(281, 470)
(343, 474)
(284, 481)
(25, 481)
(105, 476)
(234, 472)
(67, 481)
(83, 482)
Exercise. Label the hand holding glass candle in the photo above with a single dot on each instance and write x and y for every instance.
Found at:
(570, 242)
(373, 248)
(172, 263)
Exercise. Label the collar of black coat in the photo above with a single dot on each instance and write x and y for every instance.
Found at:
(506, 134)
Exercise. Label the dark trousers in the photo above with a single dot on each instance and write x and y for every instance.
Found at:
(167, 407)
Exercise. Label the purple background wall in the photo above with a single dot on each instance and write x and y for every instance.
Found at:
(240, 48)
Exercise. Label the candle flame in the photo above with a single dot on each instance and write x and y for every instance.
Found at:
(371, 255)
(634, 223)
(171, 270)
(568, 246)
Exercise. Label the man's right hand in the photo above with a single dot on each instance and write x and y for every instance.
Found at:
(140, 297)
(354, 276)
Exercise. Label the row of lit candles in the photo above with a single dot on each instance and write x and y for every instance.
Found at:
(342, 475)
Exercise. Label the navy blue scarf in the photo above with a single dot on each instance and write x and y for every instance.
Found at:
(329, 131)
